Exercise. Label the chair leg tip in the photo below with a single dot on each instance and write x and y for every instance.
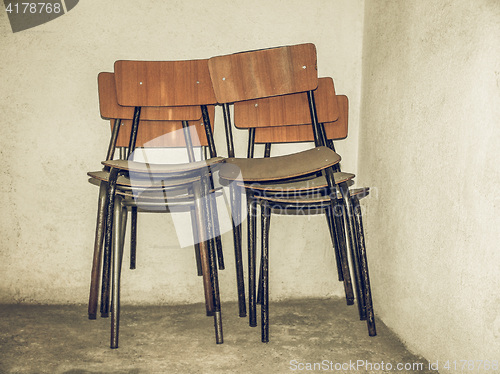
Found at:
(104, 315)
(92, 316)
(350, 301)
(210, 314)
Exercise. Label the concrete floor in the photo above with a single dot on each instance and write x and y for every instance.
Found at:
(180, 339)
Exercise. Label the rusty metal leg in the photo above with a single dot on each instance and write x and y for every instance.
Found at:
(106, 267)
(212, 258)
(133, 237)
(339, 232)
(363, 262)
(235, 196)
(333, 235)
(259, 282)
(204, 250)
(117, 264)
(123, 227)
(266, 213)
(347, 212)
(216, 230)
(97, 260)
(264, 227)
(196, 242)
(252, 308)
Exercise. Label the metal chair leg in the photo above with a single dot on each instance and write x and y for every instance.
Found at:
(133, 237)
(118, 233)
(235, 196)
(110, 201)
(348, 216)
(264, 309)
(259, 280)
(335, 244)
(252, 308)
(212, 258)
(340, 238)
(123, 225)
(363, 261)
(265, 231)
(97, 260)
(204, 250)
(216, 230)
(196, 241)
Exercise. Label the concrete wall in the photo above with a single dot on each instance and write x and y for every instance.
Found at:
(429, 143)
(52, 135)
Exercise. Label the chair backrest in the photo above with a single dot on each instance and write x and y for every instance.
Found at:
(110, 109)
(155, 122)
(264, 73)
(288, 110)
(163, 83)
(303, 133)
(164, 133)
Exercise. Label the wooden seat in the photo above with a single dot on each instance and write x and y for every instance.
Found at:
(279, 168)
(276, 79)
(151, 103)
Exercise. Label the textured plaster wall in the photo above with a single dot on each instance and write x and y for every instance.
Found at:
(430, 144)
(52, 134)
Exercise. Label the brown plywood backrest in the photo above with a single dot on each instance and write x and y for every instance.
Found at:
(264, 73)
(288, 110)
(163, 83)
(164, 133)
(304, 133)
(109, 107)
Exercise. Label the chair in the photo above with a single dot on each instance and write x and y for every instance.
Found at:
(157, 84)
(310, 196)
(157, 122)
(153, 186)
(268, 73)
(282, 118)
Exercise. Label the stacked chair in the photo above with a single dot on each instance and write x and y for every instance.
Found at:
(276, 72)
(160, 89)
(156, 123)
(276, 95)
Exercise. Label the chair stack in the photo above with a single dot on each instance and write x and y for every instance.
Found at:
(277, 97)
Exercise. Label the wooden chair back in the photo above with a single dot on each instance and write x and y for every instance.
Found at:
(155, 122)
(165, 133)
(163, 83)
(288, 110)
(110, 109)
(264, 73)
(303, 133)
